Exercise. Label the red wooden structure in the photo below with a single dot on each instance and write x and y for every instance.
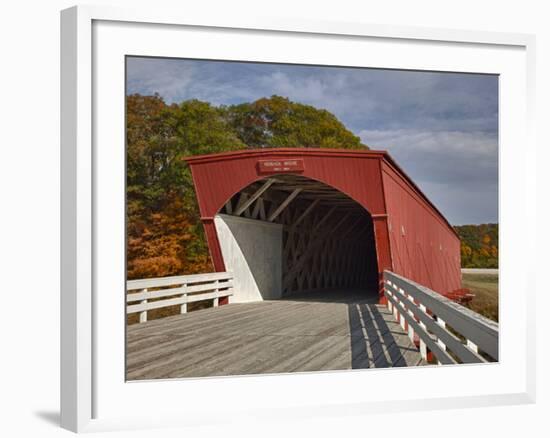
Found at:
(400, 230)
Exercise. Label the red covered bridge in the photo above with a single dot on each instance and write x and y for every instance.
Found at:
(346, 216)
(328, 259)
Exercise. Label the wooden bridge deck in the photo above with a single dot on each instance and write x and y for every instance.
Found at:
(314, 332)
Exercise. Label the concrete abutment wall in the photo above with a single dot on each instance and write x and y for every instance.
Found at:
(252, 250)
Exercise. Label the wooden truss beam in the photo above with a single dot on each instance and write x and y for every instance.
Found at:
(259, 210)
(322, 221)
(306, 212)
(285, 203)
(310, 251)
(240, 209)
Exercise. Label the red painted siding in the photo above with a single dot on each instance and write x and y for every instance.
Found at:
(218, 177)
(423, 247)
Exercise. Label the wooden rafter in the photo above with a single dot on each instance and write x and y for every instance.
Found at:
(243, 196)
(253, 197)
(323, 220)
(305, 213)
(284, 204)
(257, 208)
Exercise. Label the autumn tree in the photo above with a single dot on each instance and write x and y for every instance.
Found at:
(165, 235)
(479, 245)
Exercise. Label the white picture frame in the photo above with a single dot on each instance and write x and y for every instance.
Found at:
(91, 182)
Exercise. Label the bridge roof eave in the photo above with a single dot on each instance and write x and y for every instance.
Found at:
(382, 155)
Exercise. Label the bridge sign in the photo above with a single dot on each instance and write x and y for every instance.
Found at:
(281, 166)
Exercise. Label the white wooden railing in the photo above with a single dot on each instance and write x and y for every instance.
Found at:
(154, 293)
(435, 320)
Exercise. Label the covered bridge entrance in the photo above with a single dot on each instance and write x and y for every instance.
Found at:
(295, 220)
(287, 233)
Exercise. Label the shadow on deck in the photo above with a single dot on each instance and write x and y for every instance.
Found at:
(317, 331)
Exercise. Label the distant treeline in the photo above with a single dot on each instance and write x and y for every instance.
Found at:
(479, 245)
(164, 231)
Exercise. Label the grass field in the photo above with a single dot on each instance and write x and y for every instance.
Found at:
(485, 288)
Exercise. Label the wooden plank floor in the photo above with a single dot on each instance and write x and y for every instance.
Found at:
(322, 331)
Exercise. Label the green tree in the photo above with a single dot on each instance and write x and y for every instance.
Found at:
(159, 136)
(197, 128)
(279, 122)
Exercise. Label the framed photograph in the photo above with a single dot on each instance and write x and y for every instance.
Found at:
(291, 218)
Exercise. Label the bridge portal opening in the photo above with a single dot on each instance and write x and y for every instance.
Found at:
(288, 234)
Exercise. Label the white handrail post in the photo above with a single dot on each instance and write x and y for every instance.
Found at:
(403, 296)
(183, 308)
(471, 345)
(439, 341)
(217, 299)
(411, 330)
(143, 314)
(390, 305)
(395, 310)
(423, 348)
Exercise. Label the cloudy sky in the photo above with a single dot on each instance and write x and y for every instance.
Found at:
(442, 128)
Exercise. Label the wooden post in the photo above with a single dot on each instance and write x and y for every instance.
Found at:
(217, 299)
(390, 304)
(471, 345)
(403, 296)
(423, 348)
(402, 318)
(439, 341)
(143, 314)
(183, 308)
(257, 208)
(411, 330)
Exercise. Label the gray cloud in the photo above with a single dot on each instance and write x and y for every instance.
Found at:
(442, 128)
(450, 156)
(457, 170)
